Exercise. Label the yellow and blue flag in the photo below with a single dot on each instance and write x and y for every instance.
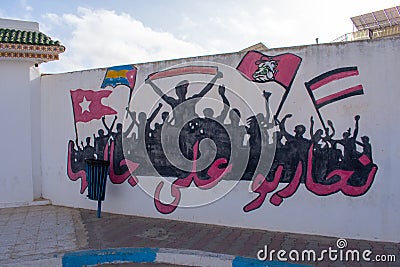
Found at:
(120, 75)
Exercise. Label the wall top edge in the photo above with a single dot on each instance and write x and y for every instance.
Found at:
(271, 51)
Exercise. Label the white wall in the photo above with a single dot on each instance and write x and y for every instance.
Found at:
(374, 215)
(20, 113)
(16, 145)
(36, 120)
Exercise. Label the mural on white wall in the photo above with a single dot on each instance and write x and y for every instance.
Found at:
(107, 144)
(173, 137)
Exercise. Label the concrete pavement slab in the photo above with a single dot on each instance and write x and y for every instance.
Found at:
(29, 235)
(120, 231)
(41, 235)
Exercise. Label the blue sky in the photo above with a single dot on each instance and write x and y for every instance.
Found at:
(100, 33)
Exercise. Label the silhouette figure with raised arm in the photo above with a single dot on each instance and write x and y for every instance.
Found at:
(109, 129)
(267, 111)
(164, 117)
(130, 141)
(235, 130)
(297, 147)
(317, 138)
(182, 108)
(151, 118)
(266, 124)
(348, 142)
(209, 113)
(299, 131)
(132, 114)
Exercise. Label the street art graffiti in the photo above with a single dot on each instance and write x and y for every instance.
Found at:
(261, 68)
(87, 106)
(200, 148)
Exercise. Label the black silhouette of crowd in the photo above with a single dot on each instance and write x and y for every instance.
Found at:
(249, 147)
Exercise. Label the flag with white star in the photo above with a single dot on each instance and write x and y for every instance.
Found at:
(87, 105)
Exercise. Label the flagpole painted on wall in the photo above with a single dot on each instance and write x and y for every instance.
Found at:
(307, 85)
(281, 103)
(76, 130)
(129, 100)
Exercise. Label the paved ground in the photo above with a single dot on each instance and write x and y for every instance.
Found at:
(130, 231)
(39, 235)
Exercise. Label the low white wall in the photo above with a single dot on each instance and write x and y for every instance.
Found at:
(373, 215)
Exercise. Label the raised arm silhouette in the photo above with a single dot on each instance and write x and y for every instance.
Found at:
(183, 108)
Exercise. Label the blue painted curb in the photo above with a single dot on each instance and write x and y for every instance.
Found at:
(163, 255)
(94, 257)
(247, 262)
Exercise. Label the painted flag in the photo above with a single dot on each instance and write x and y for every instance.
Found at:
(320, 95)
(87, 105)
(184, 70)
(261, 68)
(120, 75)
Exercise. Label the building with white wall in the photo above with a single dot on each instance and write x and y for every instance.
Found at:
(349, 190)
(22, 48)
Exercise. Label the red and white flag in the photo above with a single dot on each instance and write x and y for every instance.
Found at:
(87, 105)
(261, 68)
(322, 94)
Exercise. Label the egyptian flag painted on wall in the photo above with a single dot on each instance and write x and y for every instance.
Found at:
(319, 92)
(87, 105)
(261, 68)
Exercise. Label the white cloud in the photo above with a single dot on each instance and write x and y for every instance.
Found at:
(104, 38)
(282, 23)
(97, 37)
(53, 18)
(25, 5)
(236, 26)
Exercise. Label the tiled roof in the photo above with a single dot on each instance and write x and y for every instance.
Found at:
(25, 37)
(28, 45)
